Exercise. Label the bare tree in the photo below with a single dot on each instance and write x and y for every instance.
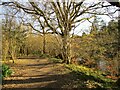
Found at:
(114, 3)
(61, 17)
(12, 35)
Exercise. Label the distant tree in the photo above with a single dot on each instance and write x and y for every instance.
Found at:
(102, 44)
(13, 36)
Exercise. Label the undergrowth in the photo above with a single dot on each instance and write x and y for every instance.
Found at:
(6, 71)
(92, 78)
(55, 60)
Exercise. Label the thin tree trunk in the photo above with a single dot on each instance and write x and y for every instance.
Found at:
(13, 56)
(13, 53)
(44, 42)
(5, 50)
(119, 46)
(12, 48)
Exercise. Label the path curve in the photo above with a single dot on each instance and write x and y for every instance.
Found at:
(38, 73)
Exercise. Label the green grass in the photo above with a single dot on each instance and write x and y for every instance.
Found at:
(92, 78)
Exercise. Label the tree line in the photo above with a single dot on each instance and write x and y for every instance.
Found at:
(47, 29)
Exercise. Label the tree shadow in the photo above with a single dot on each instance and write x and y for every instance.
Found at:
(69, 80)
(42, 64)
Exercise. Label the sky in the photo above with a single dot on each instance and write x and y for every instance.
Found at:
(85, 26)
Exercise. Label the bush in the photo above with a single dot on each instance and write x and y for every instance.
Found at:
(6, 71)
(55, 60)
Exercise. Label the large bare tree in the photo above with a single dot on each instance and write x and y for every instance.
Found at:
(60, 17)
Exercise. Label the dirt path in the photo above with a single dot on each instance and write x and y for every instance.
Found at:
(39, 73)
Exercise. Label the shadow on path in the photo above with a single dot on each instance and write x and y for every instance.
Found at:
(47, 77)
(69, 80)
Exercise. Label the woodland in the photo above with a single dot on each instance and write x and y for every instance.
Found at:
(44, 46)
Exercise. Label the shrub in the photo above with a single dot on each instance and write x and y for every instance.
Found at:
(6, 71)
(55, 60)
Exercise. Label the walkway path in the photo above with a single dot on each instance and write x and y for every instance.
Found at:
(39, 73)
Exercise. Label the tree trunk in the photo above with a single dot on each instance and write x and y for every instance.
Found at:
(13, 56)
(27, 51)
(119, 46)
(13, 49)
(5, 50)
(44, 43)
(66, 50)
(13, 53)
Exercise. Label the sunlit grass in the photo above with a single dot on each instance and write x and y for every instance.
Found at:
(89, 71)
(94, 77)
